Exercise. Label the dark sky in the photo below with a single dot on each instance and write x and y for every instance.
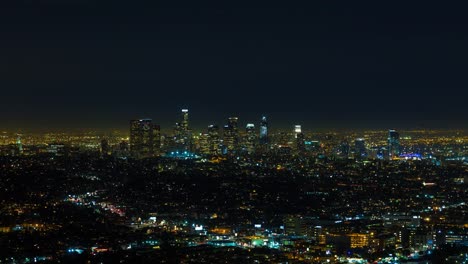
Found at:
(97, 64)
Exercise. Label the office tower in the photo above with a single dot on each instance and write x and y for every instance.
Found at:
(142, 138)
(250, 138)
(264, 131)
(183, 133)
(213, 140)
(299, 139)
(294, 225)
(297, 130)
(360, 148)
(231, 135)
(185, 120)
(393, 143)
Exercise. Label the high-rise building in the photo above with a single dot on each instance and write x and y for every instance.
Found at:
(185, 120)
(297, 130)
(231, 135)
(393, 143)
(299, 139)
(142, 138)
(264, 131)
(360, 148)
(213, 140)
(250, 138)
(183, 133)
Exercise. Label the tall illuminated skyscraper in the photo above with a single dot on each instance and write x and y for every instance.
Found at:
(393, 143)
(185, 120)
(344, 149)
(250, 138)
(183, 133)
(213, 140)
(143, 138)
(297, 130)
(231, 135)
(264, 131)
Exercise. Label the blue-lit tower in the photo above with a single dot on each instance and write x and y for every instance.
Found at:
(264, 131)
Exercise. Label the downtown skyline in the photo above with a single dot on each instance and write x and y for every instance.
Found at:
(230, 132)
(200, 124)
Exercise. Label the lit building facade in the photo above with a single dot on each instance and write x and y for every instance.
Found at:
(213, 140)
(144, 138)
(183, 133)
(263, 136)
(231, 135)
(250, 138)
(297, 130)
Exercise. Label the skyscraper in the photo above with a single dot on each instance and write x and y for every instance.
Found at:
(250, 139)
(142, 138)
(185, 120)
(264, 131)
(231, 135)
(213, 140)
(183, 133)
(360, 148)
(393, 143)
(297, 130)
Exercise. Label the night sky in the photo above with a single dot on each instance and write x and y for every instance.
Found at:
(68, 64)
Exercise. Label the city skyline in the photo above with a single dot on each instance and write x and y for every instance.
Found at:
(230, 132)
(168, 127)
